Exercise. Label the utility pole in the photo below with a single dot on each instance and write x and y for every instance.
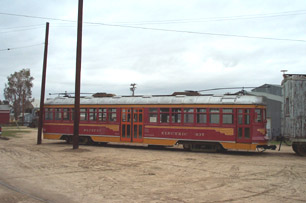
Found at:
(133, 87)
(43, 85)
(23, 103)
(78, 78)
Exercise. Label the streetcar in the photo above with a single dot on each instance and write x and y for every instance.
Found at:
(198, 123)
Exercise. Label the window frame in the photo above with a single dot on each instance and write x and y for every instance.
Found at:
(176, 116)
(164, 114)
(224, 113)
(201, 113)
(112, 115)
(218, 114)
(153, 115)
(58, 114)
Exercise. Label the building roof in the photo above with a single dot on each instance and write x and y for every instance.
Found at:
(5, 107)
(268, 96)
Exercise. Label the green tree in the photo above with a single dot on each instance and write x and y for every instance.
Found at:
(18, 91)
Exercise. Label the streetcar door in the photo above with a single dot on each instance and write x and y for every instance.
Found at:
(137, 130)
(243, 134)
(126, 125)
(131, 125)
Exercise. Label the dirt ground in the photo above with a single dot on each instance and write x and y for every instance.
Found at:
(53, 172)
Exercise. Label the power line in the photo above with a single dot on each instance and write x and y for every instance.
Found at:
(24, 26)
(19, 30)
(199, 33)
(212, 19)
(37, 17)
(23, 47)
(225, 18)
(160, 29)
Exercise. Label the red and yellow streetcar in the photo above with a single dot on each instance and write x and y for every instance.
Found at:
(209, 123)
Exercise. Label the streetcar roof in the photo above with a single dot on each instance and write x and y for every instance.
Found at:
(166, 100)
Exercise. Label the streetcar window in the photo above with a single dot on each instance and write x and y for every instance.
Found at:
(112, 114)
(227, 116)
(140, 116)
(135, 131)
(66, 115)
(48, 114)
(244, 116)
(258, 115)
(58, 114)
(247, 119)
(135, 116)
(102, 114)
(72, 114)
(140, 132)
(201, 116)
(153, 115)
(83, 114)
(128, 131)
(164, 115)
(264, 114)
(188, 115)
(247, 133)
(214, 116)
(240, 119)
(239, 132)
(176, 115)
(92, 114)
(123, 115)
(123, 130)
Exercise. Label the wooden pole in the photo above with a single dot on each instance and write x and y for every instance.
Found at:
(43, 85)
(78, 78)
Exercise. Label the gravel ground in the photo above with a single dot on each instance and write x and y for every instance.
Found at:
(53, 172)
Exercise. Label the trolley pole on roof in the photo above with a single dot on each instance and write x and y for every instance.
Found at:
(43, 85)
(78, 78)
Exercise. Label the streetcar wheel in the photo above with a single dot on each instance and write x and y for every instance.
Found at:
(187, 147)
(301, 148)
(68, 139)
(294, 147)
(83, 140)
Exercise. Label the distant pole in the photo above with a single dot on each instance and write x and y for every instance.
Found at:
(43, 85)
(78, 78)
(133, 87)
(23, 103)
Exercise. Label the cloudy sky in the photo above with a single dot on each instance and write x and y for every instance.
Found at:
(161, 45)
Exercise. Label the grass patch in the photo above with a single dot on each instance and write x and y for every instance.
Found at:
(12, 133)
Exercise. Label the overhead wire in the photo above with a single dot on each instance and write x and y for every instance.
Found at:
(22, 47)
(167, 30)
(225, 18)
(212, 19)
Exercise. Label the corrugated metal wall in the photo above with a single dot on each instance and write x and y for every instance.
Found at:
(294, 109)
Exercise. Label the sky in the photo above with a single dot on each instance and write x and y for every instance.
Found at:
(162, 46)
